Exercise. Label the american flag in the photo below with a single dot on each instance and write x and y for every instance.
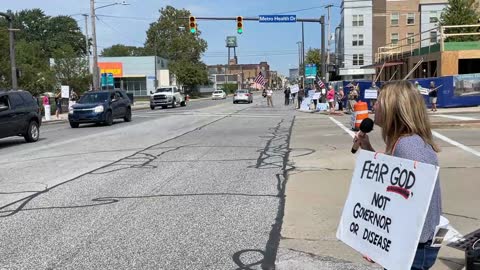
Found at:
(260, 79)
(319, 82)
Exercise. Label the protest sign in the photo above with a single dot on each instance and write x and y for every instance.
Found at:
(65, 89)
(316, 95)
(371, 93)
(294, 89)
(386, 207)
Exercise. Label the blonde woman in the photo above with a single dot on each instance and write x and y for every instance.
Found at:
(400, 113)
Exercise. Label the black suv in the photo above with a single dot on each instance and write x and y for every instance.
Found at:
(19, 115)
(101, 107)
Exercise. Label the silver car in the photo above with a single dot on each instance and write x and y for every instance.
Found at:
(243, 95)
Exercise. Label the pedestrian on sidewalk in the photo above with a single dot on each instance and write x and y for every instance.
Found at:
(58, 104)
(373, 101)
(400, 113)
(340, 98)
(331, 98)
(300, 96)
(433, 94)
(287, 96)
(352, 99)
(269, 98)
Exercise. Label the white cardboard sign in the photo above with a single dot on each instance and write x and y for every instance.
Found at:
(294, 89)
(371, 93)
(316, 95)
(65, 91)
(386, 207)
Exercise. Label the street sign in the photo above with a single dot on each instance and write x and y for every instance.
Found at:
(107, 79)
(231, 41)
(277, 18)
(310, 71)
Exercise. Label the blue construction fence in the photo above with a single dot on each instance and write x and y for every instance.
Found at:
(453, 91)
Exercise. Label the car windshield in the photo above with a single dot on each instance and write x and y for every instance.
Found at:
(242, 92)
(163, 90)
(217, 92)
(93, 98)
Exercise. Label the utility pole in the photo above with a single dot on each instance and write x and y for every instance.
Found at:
(328, 41)
(13, 64)
(87, 47)
(303, 51)
(322, 46)
(94, 44)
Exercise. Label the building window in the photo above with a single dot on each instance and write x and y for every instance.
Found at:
(357, 20)
(394, 38)
(394, 17)
(433, 37)
(410, 18)
(411, 38)
(433, 17)
(358, 60)
(357, 40)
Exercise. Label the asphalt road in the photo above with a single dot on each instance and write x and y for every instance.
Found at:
(188, 188)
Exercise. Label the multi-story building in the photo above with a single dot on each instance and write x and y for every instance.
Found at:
(354, 40)
(245, 73)
(430, 14)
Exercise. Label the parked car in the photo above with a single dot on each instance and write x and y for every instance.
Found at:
(167, 96)
(243, 95)
(219, 94)
(19, 115)
(100, 107)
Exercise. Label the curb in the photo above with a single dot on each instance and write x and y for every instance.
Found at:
(458, 124)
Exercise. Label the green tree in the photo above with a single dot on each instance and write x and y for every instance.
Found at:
(71, 70)
(460, 12)
(123, 50)
(166, 38)
(169, 38)
(5, 73)
(35, 74)
(230, 88)
(50, 32)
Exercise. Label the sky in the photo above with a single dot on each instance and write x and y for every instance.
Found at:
(275, 43)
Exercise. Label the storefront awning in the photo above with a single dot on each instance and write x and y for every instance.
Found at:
(387, 64)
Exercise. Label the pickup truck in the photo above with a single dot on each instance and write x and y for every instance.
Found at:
(167, 96)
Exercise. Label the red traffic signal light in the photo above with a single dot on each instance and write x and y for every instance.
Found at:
(240, 24)
(193, 24)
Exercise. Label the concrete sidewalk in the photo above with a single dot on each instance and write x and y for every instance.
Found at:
(316, 191)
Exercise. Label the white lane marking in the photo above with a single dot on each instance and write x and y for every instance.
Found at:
(349, 132)
(455, 143)
(462, 118)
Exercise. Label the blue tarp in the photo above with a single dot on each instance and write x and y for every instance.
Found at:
(455, 91)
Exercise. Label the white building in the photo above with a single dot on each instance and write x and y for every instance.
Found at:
(354, 40)
(430, 13)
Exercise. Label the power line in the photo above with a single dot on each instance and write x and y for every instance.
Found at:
(109, 26)
(126, 17)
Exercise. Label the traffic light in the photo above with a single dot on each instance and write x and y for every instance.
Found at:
(240, 24)
(193, 25)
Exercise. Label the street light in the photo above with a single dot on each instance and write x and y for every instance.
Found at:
(96, 80)
(9, 18)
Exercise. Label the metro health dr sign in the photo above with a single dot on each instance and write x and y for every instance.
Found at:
(386, 207)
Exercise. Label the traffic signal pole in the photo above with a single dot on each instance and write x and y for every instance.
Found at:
(320, 20)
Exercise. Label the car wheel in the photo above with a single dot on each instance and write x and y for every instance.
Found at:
(128, 115)
(108, 119)
(174, 104)
(183, 103)
(152, 107)
(74, 125)
(33, 132)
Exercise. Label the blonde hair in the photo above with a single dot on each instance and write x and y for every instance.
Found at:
(403, 113)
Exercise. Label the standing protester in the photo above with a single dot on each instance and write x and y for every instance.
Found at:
(400, 113)
(287, 96)
(331, 98)
(300, 96)
(433, 94)
(269, 98)
(352, 99)
(340, 98)
(58, 103)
